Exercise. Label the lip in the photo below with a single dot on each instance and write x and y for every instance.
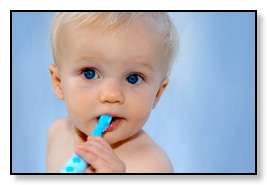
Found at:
(115, 122)
(110, 114)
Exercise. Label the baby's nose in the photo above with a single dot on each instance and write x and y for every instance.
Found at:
(111, 93)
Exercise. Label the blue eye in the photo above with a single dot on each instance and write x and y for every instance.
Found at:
(135, 79)
(90, 74)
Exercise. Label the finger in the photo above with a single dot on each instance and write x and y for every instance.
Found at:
(106, 159)
(85, 154)
(109, 162)
(100, 140)
(93, 151)
(99, 147)
(93, 160)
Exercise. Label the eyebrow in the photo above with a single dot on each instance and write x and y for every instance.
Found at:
(85, 59)
(137, 61)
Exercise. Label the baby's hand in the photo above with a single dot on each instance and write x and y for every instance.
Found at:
(100, 156)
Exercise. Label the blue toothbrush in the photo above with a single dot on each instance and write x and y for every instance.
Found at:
(76, 164)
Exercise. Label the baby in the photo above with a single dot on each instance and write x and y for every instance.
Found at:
(114, 63)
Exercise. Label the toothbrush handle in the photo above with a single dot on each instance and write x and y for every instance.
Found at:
(76, 164)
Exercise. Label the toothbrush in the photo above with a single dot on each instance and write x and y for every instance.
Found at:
(76, 164)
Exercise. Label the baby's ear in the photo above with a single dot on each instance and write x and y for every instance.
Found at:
(162, 88)
(56, 81)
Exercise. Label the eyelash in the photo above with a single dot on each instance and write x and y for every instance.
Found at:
(91, 70)
(139, 77)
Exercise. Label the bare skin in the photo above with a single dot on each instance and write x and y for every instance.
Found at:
(136, 154)
(120, 74)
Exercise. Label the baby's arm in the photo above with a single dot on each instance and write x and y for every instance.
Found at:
(100, 156)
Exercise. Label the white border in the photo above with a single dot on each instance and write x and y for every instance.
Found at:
(5, 8)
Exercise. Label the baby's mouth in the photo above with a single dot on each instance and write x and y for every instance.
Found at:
(114, 124)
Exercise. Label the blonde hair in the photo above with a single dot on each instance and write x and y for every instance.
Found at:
(110, 20)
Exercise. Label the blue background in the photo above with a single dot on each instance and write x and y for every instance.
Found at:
(205, 120)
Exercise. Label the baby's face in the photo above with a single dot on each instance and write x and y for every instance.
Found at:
(117, 73)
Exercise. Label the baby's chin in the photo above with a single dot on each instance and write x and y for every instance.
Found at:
(119, 139)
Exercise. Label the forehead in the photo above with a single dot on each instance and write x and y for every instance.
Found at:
(139, 43)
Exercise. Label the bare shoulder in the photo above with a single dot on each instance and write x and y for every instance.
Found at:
(57, 126)
(57, 136)
(150, 157)
(155, 159)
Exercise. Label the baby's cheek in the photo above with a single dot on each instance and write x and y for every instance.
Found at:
(141, 113)
(77, 101)
(77, 111)
(74, 106)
